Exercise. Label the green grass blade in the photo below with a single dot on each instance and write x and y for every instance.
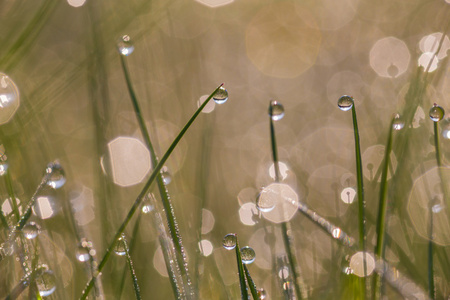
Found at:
(240, 266)
(251, 283)
(361, 201)
(431, 285)
(11, 195)
(165, 197)
(381, 220)
(137, 290)
(144, 190)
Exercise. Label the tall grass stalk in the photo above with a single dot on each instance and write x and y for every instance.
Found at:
(251, 283)
(137, 290)
(144, 190)
(240, 266)
(381, 219)
(165, 197)
(285, 226)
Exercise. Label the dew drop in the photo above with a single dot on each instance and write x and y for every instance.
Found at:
(262, 294)
(31, 230)
(57, 175)
(345, 103)
(436, 113)
(445, 125)
(125, 45)
(7, 248)
(9, 94)
(3, 167)
(229, 241)
(147, 207)
(276, 110)
(46, 283)
(82, 253)
(398, 122)
(166, 177)
(248, 255)
(221, 96)
(347, 270)
(264, 203)
(120, 247)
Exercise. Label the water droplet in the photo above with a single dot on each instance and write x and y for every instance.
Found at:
(265, 204)
(347, 270)
(147, 207)
(57, 175)
(398, 122)
(31, 230)
(221, 96)
(345, 103)
(436, 113)
(46, 283)
(3, 167)
(120, 248)
(83, 253)
(166, 177)
(125, 45)
(262, 294)
(445, 125)
(276, 110)
(229, 241)
(336, 233)
(248, 255)
(7, 248)
(9, 94)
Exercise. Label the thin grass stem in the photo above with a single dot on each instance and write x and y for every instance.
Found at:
(240, 266)
(251, 283)
(144, 190)
(431, 285)
(12, 195)
(381, 220)
(137, 290)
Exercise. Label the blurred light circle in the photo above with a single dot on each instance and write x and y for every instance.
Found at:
(158, 262)
(248, 194)
(430, 43)
(215, 3)
(389, 57)
(346, 83)
(207, 221)
(208, 107)
(428, 61)
(76, 3)
(44, 207)
(348, 195)
(9, 98)
(283, 168)
(248, 214)
(357, 264)
(373, 158)
(206, 247)
(284, 199)
(129, 159)
(281, 41)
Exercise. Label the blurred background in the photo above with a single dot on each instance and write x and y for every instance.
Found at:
(63, 97)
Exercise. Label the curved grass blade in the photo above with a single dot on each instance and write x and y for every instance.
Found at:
(165, 197)
(251, 283)
(381, 219)
(240, 266)
(137, 290)
(144, 190)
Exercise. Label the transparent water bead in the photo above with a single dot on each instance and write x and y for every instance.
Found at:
(265, 204)
(248, 255)
(398, 122)
(125, 45)
(7, 248)
(262, 294)
(3, 167)
(276, 110)
(345, 103)
(46, 282)
(9, 94)
(229, 241)
(120, 247)
(31, 230)
(166, 177)
(221, 96)
(57, 175)
(445, 125)
(436, 113)
(82, 254)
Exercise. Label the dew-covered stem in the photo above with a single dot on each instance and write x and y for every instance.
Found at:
(137, 290)
(165, 197)
(381, 219)
(240, 266)
(144, 190)
(251, 283)
(431, 286)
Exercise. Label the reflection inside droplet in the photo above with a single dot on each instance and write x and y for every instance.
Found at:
(229, 241)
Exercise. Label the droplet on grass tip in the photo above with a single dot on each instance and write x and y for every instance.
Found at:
(120, 247)
(248, 255)
(276, 110)
(436, 113)
(57, 175)
(82, 253)
(221, 96)
(31, 230)
(229, 241)
(345, 103)
(125, 45)
(46, 283)
(398, 122)
(166, 177)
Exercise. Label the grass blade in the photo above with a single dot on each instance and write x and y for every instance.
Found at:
(240, 265)
(137, 290)
(144, 190)
(251, 283)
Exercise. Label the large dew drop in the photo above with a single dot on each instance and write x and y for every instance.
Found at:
(165, 174)
(276, 110)
(221, 96)
(57, 175)
(125, 45)
(265, 204)
(436, 113)
(345, 103)
(46, 283)
(398, 122)
(31, 230)
(248, 255)
(120, 248)
(229, 241)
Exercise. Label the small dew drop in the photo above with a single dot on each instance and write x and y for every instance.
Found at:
(262, 294)
(336, 233)
(445, 125)
(9, 93)
(31, 230)
(7, 248)
(264, 203)
(398, 122)
(3, 167)
(57, 175)
(166, 177)
(221, 96)
(436, 113)
(229, 241)
(120, 248)
(347, 270)
(147, 207)
(276, 110)
(248, 255)
(82, 253)
(125, 45)
(345, 103)
(46, 283)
